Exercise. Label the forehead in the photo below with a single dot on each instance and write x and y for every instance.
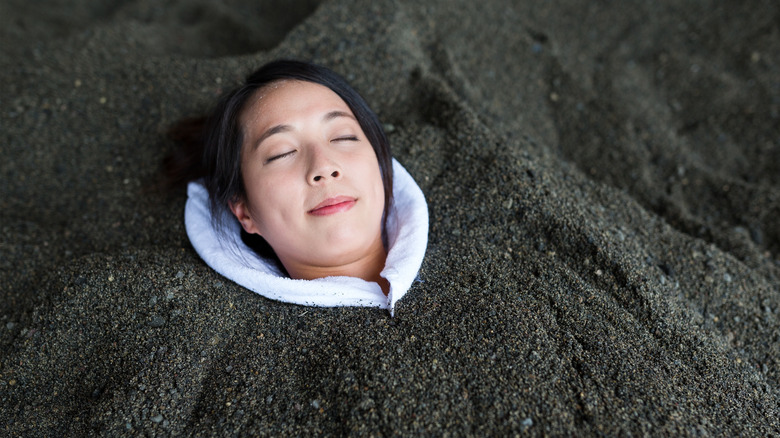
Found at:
(281, 100)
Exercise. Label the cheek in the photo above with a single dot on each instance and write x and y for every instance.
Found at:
(379, 186)
(270, 202)
(375, 176)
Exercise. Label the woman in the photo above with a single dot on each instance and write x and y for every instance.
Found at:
(294, 159)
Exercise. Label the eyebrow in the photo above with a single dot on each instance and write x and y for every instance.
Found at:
(278, 129)
(336, 114)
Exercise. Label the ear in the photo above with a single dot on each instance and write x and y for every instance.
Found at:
(241, 212)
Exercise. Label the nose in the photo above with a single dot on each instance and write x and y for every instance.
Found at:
(322, 167)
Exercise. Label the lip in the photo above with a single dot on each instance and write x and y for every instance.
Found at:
(333, 205)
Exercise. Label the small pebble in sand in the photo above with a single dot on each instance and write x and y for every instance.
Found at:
(157, 321)
(157, 418)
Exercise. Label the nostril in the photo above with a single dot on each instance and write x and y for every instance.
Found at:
(318, 178)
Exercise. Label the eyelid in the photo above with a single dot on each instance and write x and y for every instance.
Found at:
(278, 156)
(348, 137)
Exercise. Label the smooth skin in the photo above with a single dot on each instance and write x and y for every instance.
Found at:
(313, 186)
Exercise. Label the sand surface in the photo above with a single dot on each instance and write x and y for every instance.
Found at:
(604, 188)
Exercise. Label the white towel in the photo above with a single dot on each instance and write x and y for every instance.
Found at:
(226, 253)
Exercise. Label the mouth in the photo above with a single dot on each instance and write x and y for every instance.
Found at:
(333, 205)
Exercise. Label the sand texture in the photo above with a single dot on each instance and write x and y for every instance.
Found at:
(603, 181)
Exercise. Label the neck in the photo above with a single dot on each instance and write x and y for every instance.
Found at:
(367, 267)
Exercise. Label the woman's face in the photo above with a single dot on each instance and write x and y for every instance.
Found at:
(313, 185)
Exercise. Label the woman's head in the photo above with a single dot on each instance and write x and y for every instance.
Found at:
(299, 158)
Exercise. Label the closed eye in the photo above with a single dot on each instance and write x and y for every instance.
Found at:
(276, 157)
(346, 138)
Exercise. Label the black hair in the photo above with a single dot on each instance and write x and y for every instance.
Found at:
(218, 140)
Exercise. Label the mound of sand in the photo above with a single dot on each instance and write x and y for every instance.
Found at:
(603, 183)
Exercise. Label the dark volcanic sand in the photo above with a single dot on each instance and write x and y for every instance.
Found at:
(605, 222)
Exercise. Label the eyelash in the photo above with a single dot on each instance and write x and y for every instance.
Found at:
(276, 157)
(347, 138)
